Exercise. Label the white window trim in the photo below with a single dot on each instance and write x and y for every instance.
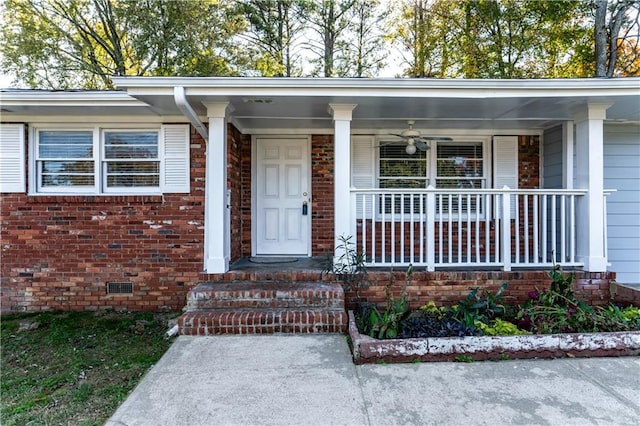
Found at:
(98, 132)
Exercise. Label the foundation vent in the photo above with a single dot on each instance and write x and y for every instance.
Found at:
(119, 288)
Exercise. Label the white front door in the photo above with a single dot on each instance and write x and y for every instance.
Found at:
(283, 194)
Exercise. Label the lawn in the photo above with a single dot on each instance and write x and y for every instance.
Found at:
(74, 368)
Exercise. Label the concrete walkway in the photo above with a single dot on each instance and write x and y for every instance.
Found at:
(310, 380)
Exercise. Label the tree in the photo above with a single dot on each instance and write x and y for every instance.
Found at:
(424, 34)
(365, 49)
(330, 20)
(273, 36)
(82, 43)
(613, 22)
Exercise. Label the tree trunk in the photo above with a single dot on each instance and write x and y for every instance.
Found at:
(601, 37)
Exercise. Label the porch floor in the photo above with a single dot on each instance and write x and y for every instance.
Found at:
(278, 264)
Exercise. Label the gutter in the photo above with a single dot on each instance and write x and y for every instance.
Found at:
(187, 110)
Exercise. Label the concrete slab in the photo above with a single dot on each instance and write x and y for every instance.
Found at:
(248, 380)
(496, 393)
(311, 380)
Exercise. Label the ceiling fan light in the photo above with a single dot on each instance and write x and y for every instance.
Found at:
(410, 149)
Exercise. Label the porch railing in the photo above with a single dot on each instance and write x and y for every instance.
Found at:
(502, 228)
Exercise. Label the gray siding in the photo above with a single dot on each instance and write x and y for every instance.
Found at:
(622, 173)
(552, 158)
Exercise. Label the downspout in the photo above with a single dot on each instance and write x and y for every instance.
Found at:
(187, 110)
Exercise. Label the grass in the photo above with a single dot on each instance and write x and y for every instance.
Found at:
(75, 368)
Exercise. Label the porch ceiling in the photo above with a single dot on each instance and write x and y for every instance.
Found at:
(374, 113)
(301, 105)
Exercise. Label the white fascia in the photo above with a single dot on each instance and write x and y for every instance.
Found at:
(64, 99)
(387, 87)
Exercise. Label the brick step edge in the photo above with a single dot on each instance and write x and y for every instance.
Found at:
(206, 323)
(269, 295)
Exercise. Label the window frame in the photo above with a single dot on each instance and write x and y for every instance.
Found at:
(103, 161)
(99, 187)
(431, 171)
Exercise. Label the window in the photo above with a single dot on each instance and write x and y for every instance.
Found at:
(401, 170)
(460, 166)
(453, 165)
(130, 160)
(108, 161)
(65, 159)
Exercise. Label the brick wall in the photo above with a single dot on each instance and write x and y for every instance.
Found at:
(528, 162)
(322, 194)
(59, 252)
(235, 144)
(449, 287)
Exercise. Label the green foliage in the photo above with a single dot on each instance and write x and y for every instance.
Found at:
(558, 310)
(482, 306)
(349, 267)
(386, 325)
(499, 327)
(463, 358)
(82, 43)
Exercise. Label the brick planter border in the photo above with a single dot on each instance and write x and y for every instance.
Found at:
(367, 350)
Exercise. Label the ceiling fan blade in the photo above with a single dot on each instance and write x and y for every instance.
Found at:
(388, 144)
(436, 138)
(396, 134)
(422, 146)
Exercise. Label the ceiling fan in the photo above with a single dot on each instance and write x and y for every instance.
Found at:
(415, 140)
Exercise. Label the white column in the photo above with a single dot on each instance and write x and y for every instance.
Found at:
(567, 155)
(342, 114)
(590, 176)
(216, 228)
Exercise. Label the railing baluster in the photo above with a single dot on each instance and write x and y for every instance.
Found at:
(431, 219)
(411, 231)
(544, 228)
(553, 229)
(477, 240)
(459, 228)
(450, 230)
(393, 228)
(373, 227)
(488, 198)
(516, 199)
(573, 228)
(563, 229)
(468, 228)
(402, 214)
(383, 230)
(364, 223)
(440, 235)
(526, 228)
(422, 235)
(536, 239)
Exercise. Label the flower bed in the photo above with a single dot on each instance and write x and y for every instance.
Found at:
(369, 350)
(553, 322)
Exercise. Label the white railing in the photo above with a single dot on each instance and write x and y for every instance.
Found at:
(501, 228)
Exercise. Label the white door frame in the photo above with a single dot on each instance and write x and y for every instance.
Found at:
(254, 187)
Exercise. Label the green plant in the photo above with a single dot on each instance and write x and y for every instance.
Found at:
(499, 327)
(386, 325)
(557, 310)
(482, 306)
(463, 358)
(350, 266)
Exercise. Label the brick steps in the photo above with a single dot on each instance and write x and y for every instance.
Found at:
(264, 308)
